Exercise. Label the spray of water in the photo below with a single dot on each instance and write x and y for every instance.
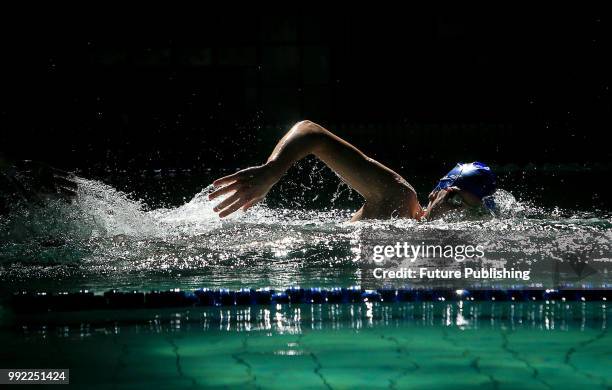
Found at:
(105, 239)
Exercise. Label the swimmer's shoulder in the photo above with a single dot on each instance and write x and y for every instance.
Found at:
(402, 203)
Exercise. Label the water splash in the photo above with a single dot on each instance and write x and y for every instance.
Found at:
(106, 239)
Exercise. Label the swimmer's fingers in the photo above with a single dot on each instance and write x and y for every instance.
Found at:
(226, 202)
(251, 203)
(228, 179)
(448, 191)
(234, 207)
(432, 195)
(469, 198)
(223, 190)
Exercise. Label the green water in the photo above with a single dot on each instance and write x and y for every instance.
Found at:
(535, 345)
(106, 240)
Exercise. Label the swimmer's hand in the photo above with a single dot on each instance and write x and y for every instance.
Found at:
(248, 187)
(439, 202)
(449, 199)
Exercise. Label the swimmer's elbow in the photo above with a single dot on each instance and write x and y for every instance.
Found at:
(309, 129)
(312, 135)
(305, 123)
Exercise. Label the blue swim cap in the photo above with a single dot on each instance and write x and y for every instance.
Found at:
(476, 178)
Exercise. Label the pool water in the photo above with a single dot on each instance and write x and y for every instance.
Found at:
(108, 239)
(527, 345)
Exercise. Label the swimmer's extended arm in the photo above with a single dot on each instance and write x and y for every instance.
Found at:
(386, 192)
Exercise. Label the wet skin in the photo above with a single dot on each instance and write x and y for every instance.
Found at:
(386, 193)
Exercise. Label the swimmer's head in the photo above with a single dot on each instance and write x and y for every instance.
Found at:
(475, 178)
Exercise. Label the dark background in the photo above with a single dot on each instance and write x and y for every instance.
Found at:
(418, 91)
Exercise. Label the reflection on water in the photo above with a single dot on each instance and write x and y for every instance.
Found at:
(106, 240)
(485, 345)
(295, 319)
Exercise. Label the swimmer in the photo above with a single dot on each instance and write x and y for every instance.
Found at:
(386, 193)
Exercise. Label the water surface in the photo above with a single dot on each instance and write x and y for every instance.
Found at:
(109, 239)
